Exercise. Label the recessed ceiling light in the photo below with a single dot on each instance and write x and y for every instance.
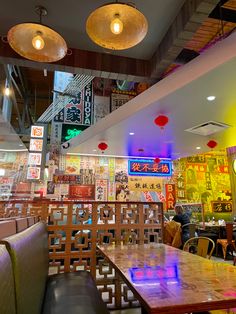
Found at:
(131, 133)
(211, 98)
(21, 145)
(198, 147)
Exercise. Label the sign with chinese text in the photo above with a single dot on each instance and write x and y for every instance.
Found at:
(101, 190)
(66, 178)
(221, 206)
(146, 167)
(142, 183)
(170, 196)
(37, 131)
(33, 173)
(79, 109)
(36, 145)
(83, 192)
(34, 159)
(117, 100)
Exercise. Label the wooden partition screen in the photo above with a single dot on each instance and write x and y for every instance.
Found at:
(75, 228)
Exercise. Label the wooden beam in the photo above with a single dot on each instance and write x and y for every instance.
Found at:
(85, 62)
(192, 14)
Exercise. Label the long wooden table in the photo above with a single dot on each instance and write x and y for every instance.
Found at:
(168, 280)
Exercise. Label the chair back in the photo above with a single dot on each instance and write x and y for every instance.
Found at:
(199, 246)
(192, 229)
(229, 231)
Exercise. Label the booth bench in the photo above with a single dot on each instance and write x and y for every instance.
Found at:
(26, 288)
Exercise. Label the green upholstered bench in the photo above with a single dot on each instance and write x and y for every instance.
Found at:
(36, 292)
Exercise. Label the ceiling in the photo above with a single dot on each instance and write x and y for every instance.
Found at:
(69, 18)
(178, 31)
(180, 96)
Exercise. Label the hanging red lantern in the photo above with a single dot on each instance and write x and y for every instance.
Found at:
(212, 144)
(157, 160)
(161, 121)
(102, 146)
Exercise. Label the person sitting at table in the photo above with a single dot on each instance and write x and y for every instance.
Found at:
(182, 218)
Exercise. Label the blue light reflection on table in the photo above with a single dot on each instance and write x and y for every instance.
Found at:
(154, 275)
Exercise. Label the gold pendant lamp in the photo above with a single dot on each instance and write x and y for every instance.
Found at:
(37, 42)
(116, 26)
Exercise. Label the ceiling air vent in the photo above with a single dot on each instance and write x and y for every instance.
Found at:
(208, 128)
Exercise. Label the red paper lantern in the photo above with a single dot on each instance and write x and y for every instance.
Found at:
(212, 144)
(157, 160)
(161, 121)
(102, 146)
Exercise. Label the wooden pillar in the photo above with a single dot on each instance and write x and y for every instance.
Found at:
(231, 154)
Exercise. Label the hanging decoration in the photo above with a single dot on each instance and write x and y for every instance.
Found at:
(102, 146)
(161, 121)
(157, 160)
(212, 144)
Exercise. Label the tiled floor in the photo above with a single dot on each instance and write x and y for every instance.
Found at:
(229, 260)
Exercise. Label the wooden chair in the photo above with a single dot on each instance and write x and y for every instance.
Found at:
(200, 246)
(192, 229)
(228, 242)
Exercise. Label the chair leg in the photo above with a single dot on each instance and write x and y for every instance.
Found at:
(224, 248)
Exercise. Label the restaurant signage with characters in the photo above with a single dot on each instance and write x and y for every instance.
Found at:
(79, 109)
(147, 167)
(221, 206)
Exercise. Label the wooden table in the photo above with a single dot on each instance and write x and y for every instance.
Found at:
(180, 282)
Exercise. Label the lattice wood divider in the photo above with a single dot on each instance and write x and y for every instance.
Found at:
(75, 228)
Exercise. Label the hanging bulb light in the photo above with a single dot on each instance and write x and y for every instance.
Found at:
(105, 23)
(116, 25)
(37, 41)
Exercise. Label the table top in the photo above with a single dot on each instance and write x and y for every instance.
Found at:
(168, 280)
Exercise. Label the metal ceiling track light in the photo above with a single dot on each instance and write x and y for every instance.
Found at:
(37, 42)
(116, 26)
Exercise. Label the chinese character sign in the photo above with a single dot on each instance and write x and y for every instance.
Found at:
(79, 109)
(147, 167)
(36, 145)
(37, 131)
(34, 159)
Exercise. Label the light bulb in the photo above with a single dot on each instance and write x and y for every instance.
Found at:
(7, 91)
(38, 42)
(116, 25)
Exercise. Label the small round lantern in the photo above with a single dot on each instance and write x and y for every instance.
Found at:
(161, 121)
(102, 146)
(212, 144)
(157, 160)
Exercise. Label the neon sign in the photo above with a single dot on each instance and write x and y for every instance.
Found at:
(147, 167)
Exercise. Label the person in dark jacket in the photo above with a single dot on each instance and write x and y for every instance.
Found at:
(182, 218)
